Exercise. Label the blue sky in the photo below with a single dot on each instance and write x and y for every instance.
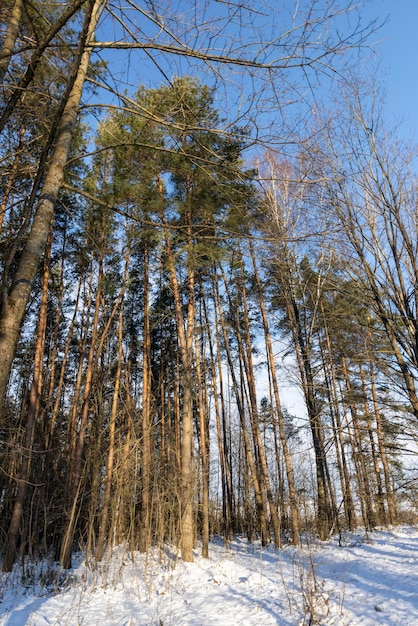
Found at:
(395, 44)
(398, 53)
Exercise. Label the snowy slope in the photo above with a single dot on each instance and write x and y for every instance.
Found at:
(367, 581)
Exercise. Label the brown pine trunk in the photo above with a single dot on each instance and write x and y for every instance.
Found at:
(329, 370)
(294, 512)
(14, 306)
(249, 456)
(78, 437)
(217, 384)
(76, 460)
(185, 337)
(22, 479)
(249, 366)
(107, 494)
(204, 451)
(144, 532)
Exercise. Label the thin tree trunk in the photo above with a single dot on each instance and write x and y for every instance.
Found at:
(144, 532)
(103, 531)
(78, 439)
(249, 457)
(248, 361)
(378, 496)
(302, 355)
(337, 427)
(185, 336)
(217, 384)
(294, 512)
(204, 452)
(390, 497)
(95, 352)
(12, 177)
(362, 476)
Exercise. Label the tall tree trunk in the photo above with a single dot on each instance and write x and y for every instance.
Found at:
(324, 519)
(204, 450)
(249, 456)
(294, 512)
(185, 336)
(144, 532)
(14, 306)
(217, 385)
(76, 460)
(248, 361)
(329, 370)
(78, 437)
(32, 414)
(107, 494)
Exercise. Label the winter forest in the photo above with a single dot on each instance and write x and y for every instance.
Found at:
(209, 278)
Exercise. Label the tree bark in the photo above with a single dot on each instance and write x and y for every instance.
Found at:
(249, 456)
(10, 38)
(294, 513)
(144, 532)
(14, 307)
(32, 414)
(185, 336)
(104, 520)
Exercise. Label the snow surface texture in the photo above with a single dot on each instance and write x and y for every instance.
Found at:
(366, 581)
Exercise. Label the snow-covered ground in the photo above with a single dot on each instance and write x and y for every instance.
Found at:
(367, 581)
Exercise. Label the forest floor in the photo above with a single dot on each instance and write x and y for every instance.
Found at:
(361, 580)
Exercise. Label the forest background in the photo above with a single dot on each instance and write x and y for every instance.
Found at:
(203, 206)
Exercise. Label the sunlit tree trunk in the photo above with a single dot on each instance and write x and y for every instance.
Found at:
(249, 456)
(361, 469)
(185, 336)
(217, 384)
(390, 496)
(13, 308)
(294, 512)
(144, 531)
(32, 414)
(204, 449)
(78, 432)
(329, 370)
(107, 494)
(249, 367)
(378, 494)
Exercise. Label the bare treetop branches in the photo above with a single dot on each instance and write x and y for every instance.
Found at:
(261, 58)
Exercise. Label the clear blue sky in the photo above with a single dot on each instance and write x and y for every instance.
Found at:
(396, 46)
(398, 51)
